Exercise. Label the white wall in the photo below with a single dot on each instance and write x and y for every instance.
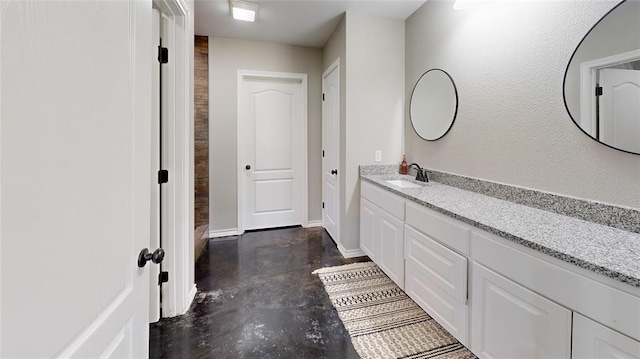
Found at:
(508, 60)
(371, 51)
(375, 106)
(336, 47)
(226, 56)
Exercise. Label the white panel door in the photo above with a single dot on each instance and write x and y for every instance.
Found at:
(271, 110)
(619, 116)
(368, 229)
(390, 238)
(75, 145)
(509, 321)
(594, 340)
(331, 151)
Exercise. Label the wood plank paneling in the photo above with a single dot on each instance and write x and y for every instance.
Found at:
(201, 131)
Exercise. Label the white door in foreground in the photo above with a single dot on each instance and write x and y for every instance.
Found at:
(75, 110)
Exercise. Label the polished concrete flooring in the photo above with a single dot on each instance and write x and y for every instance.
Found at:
(257, 298)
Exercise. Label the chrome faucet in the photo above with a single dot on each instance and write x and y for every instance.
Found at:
(422, 174)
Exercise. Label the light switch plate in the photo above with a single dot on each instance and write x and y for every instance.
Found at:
(378, 156)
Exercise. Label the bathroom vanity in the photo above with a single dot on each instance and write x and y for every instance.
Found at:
(507, 280)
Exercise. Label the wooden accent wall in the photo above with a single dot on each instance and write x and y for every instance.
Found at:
(201, 132)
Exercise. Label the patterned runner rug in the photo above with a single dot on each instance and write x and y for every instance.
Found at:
(382, 320)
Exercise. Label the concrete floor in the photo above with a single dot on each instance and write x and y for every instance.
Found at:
(257, 298)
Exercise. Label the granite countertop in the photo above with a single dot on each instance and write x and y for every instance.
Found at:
(609, 251)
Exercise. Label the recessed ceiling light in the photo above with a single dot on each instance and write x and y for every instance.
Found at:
(244, 11)
(460, 4)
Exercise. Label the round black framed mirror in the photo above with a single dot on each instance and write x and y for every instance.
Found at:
(601, 85)
(434, 104)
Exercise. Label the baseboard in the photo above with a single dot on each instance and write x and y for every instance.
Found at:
(350, 253)
(201, 232)
(200, 240)
(223, 233)
(191, 297)
(313, 224)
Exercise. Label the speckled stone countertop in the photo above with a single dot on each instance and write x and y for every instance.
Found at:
(602, 249)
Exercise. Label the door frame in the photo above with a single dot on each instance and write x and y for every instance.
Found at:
(304, 175)
(334, 66)
(178, 238)
(154, 290)
(588, 82)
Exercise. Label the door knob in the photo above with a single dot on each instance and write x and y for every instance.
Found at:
(156, 257)
(334, 172)
(247, 167)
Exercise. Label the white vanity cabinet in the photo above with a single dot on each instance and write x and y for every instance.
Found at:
(510, 321)
(593, 340)
(497, 297)
(382, 230)
(523, 301)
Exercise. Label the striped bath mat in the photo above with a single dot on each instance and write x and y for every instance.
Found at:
(381, 319)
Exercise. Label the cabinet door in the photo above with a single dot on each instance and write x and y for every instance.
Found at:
(594, 340)
(390, 239)
(510, 321)
(368, 228)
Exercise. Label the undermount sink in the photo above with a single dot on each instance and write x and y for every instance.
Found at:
(403, 184)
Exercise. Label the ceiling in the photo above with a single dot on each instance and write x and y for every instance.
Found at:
(293, 22)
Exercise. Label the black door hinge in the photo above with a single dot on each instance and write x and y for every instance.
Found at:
(598, 91)
(163, 176)
(163, 277)
(322, 97)
(322, 204)
(322, 153)
(163, 55)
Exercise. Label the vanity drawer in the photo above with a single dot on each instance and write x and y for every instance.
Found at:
(386, 200)
(436, 279)
(439, 227)
(446, 310)
(441, 266)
